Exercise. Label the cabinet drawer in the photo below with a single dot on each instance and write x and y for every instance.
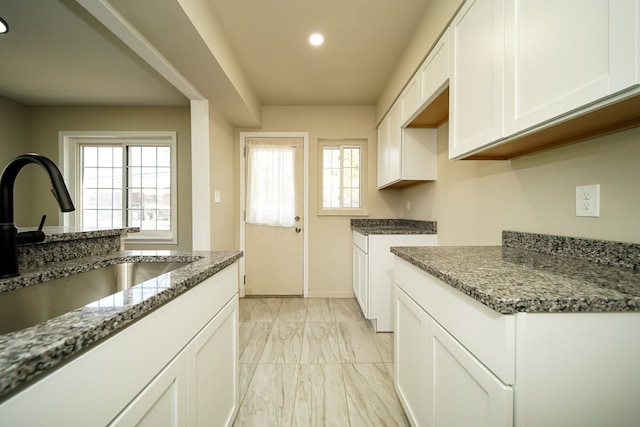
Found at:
(361, 241)
(487, 334)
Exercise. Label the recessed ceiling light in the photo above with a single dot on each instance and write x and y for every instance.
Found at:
(316, 39)
(4, 27)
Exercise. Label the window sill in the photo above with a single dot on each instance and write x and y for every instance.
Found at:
(343, 212)
(144, 240)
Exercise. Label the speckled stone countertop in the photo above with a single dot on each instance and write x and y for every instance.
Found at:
(61, 234)
(27, 353)
(393, 226)
(514, 278)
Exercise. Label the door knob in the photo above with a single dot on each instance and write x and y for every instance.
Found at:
(298, 229)
(297, 218)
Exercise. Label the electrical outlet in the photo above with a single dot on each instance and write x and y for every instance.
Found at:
(588, 200)
(408, 205)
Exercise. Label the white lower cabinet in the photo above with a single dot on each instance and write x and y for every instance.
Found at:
(213, 391)
(176, 366)
(459, 363)
(373, 273)
(438, 381)
(412, 359)
(465, 393)
(163, 403)
(199, 387)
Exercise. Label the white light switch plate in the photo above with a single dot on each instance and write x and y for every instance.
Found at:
(588, 200)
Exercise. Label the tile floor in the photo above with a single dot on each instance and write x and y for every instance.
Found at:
(314, 362)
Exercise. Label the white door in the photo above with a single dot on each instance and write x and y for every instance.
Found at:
(273, 226)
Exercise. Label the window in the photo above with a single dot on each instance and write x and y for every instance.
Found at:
(123, 180)
(343, 178)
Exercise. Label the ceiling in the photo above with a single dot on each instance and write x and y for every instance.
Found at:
(57, 53)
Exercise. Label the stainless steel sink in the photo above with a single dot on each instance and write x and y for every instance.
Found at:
(33, 304)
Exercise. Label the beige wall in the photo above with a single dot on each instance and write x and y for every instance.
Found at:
(225, 179)
(46, 122)
(435, 19)
(473, 201)
(14, 140)
(330, 237)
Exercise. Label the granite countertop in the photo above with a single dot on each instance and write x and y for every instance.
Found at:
(29, 352)
(393, 226)
(60, 234)
(510, 280)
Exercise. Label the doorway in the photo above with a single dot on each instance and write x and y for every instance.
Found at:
(273, 235)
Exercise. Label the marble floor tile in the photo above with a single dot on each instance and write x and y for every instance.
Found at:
(265, 310)
(384, 344)
(270, 398)
(320, 343)
(314, 362)
(246, 306)
(253, 337)
(347, 310)
(292, 310)
(320, 310)
(356, 343)
(246, 371)
(284, 343)
(320, 397)
(371, 397)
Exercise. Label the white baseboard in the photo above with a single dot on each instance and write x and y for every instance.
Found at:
(330, 294)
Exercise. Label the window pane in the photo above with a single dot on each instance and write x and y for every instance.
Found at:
(148, 177)
(105, 156)
(90, 156)
(90, 199)
(135, 177)
(90, 178)
(105, 219)
(164, 178)
(164, 156)
(125, 190)
(90, 218)
(105, 178)
(135, 156)
(149, 156)
(341, 177)
(105, 199)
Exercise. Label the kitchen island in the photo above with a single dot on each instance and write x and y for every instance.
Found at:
(113, 360)
(542, 331)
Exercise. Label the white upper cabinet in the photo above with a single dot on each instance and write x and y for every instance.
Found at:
(407, 135)
(426, 85)
(405, 155)
(528, 75)
(476, 106)
(564, 55)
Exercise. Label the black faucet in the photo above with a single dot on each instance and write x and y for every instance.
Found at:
(9, 235)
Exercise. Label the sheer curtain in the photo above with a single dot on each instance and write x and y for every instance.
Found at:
(271, 185)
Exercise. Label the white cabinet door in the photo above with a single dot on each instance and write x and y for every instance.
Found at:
(465, 393)
(361, 279)
(411, 98)
(565, 55)
(383, 152)
(394, 172)
(163, 403)
(215, 374)
(476, 107)
(412, 365)
(434, 73)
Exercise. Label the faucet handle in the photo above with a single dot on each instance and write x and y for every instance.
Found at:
(44, 218)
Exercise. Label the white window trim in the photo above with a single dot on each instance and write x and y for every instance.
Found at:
(364, 159)
(69, 143)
